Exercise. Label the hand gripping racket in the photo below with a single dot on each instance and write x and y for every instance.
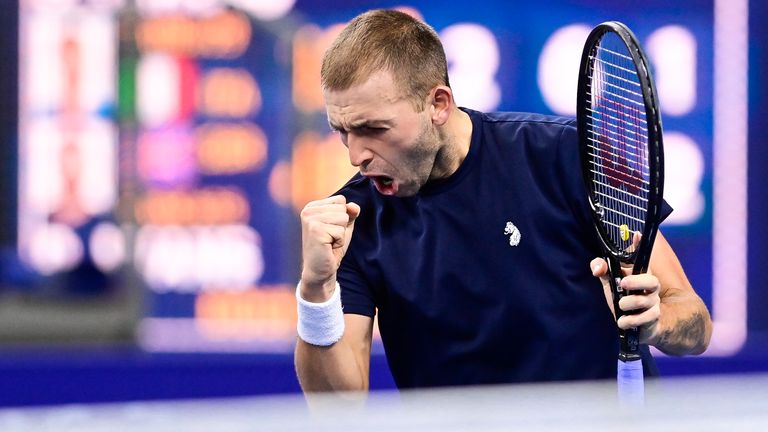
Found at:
(622, 165)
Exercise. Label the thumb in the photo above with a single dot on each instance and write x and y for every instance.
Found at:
(626, 268)
(353, 210)
(599, 267)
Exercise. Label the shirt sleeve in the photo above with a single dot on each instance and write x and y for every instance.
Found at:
(666, 210)
(356, 290)
(356, 293)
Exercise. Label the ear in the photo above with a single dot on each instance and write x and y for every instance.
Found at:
(441, 104)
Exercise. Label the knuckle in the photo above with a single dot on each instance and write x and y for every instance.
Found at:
(333, 230)
(306, 212)
(337, 199)
(315, 228)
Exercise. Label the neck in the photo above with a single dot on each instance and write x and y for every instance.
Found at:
(456, 135)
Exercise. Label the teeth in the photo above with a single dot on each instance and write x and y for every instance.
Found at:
(386, 181)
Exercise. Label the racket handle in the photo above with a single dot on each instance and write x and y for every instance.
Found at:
(630, 383)
(629, 339)
(629, 348)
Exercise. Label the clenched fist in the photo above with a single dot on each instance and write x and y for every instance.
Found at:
(326, 229)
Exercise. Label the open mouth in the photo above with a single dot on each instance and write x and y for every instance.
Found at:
(385, 185)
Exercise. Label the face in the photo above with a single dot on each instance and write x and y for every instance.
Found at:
(392, 144)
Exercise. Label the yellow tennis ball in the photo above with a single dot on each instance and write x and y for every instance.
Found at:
(624, 231)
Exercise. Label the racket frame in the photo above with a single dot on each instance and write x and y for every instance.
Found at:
(640, 256)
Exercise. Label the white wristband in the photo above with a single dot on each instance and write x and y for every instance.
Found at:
(320, 324)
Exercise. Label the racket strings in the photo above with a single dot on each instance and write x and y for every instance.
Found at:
(619, 191)
(615, 116)
(616, 173)
(627, 99)
(607, 155)
(618, 132)
(620, 213)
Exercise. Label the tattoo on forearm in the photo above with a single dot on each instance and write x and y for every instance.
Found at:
(685, 335)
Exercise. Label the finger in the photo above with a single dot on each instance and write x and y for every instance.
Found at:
(640, 282)
(599, 267)
(337, 233)
(638, 302)
(646, 317)
(336, 199)
(325, 233)
(323, 208)
(353, 211)
(626, 268)
(335, 218)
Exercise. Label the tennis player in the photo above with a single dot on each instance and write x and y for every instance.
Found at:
(468, 233)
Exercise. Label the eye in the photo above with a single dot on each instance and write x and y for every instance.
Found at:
(369, 130)
(343, 135)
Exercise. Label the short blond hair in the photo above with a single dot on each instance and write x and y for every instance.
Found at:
(388, 40)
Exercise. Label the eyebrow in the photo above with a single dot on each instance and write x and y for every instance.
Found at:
(361, 124)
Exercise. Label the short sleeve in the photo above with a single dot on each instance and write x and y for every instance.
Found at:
(666, 210)
(356, 294)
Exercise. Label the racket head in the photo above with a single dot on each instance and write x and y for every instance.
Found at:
(621, 147)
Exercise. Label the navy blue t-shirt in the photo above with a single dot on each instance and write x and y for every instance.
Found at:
(484, 277)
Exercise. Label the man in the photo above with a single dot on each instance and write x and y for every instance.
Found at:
(469, 233)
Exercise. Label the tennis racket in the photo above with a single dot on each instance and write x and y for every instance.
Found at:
(622, 162)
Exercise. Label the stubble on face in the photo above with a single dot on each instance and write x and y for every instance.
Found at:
(419, 164)
(409, 159)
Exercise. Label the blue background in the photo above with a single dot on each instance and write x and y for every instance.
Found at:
(47, 374)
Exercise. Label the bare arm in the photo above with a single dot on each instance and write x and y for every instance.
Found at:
(343, 366)
(327, 227)
(673, 317)
(684, 325)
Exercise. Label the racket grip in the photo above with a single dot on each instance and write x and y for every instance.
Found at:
(629, 339)
(629, 348)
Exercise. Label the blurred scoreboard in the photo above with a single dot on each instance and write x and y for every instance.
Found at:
(178, 141)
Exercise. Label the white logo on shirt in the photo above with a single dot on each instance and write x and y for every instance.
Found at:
(513, 233)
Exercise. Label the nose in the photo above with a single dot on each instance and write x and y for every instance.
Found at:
(359, 154)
